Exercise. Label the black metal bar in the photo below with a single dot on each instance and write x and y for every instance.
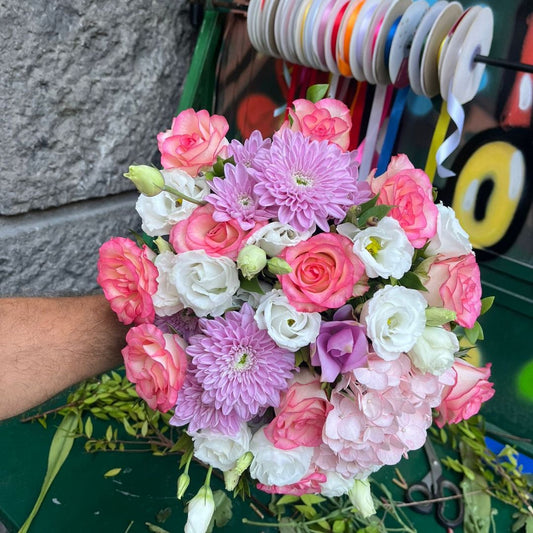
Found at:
(504, 63)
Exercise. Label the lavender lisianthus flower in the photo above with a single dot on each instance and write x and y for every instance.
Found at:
(341, 345)
(306, 181)
(234, 198)
(184, 322)
(239, 367)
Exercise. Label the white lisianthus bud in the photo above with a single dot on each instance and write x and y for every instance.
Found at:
(219, 450)
(451, 240)
(274, 237)
(437, 316)
(162, 245)
(434, 350)
(200, 511)
(288, 328)
(159, 213)
(205, 284)
(148, 180)
(361, 497)
(394, 319)
(166, 299)
(231, 477)
(273, 466)
(278, 266)
(384, 249)
(251, 260)
(183, 483)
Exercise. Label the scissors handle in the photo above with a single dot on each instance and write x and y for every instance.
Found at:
(447, 488)
(416, 493)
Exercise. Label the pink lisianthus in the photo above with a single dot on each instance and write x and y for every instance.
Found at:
(310, 484)
(324, 272)
(156, 363)
(464, 399)
(194, 142)
(455, 284)
(341, 346)
(202, 232)
(409, 190)
(301, 415)
(326, 120)
(129, 280)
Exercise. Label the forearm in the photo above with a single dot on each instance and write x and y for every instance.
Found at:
(48, 344)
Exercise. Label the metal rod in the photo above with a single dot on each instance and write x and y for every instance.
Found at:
(504, 63)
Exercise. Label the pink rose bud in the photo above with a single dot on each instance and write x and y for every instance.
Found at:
(464, 399)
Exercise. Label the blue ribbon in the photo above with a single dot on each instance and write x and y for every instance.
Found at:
(392, 130)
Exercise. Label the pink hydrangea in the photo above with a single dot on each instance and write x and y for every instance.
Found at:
(129, 280)
(380, 412)
(409, 190)
(156, 363)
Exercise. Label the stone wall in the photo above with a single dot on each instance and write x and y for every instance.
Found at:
(85, 87)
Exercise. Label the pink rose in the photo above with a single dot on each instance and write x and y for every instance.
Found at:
(156, 363)
(327, 120)
(409, 190)
(455, 284)
(194, 142)
(201, 232)
(129, 279)
(301, 415)
(310, 484)
(464, 399)
(324, 272)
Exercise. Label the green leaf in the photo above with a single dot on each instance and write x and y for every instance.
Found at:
(223, 508)
(286, 499)
(306, 510)
(155, 529)
(368, 204)
(251, 285)
(529, 524)
(316, 92)
(474, 333)
(378, 211)
(411, 281)
(59, 449)
(486, 304)
(113, 472)
(311, 499)
(89, 427)
(109, 433)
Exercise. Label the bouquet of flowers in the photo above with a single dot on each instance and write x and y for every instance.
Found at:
(301, 321)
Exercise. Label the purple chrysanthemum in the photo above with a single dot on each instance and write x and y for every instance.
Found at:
(246, 153)
(234, 198)
(191, 410)
(240, 368)
(306, 181)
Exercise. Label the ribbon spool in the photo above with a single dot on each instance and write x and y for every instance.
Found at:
(358, 37)
(401, 43)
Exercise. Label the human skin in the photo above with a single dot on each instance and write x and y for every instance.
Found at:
(48, 344)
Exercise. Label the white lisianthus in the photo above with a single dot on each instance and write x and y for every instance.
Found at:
(361, 497)
(219, 450)
(335, 485)
(434, 350)
(384, 249)
(200, 511)
(159, 213)
(451, 240)
(273, 466)
(394, 319)
(274, 237)
(288, 328)
(348, 230)
(243, 296)
(166, 299)
(205, 284)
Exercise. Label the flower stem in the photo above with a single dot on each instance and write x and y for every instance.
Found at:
(181, 196)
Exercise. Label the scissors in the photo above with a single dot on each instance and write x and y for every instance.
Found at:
(432, 486)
